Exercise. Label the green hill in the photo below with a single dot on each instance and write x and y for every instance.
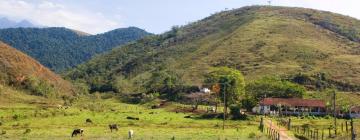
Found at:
(21, 72)
(61, 48)
(258, 40)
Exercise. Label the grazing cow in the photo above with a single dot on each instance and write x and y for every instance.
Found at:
(113, 127)
(132, 118)
(77, 132)
(89, 121)
(131, 134)
(155, 106)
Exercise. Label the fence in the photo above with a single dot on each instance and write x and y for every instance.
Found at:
(343, 131)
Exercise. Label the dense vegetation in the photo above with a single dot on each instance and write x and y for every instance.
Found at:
(257, 40)
(61, 48)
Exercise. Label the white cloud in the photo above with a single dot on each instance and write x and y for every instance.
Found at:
(52, 14)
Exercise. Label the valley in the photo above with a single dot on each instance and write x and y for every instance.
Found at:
(256, 73)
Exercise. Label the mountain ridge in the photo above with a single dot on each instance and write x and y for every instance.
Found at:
(60, 48)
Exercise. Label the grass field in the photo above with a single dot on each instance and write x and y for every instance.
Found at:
(24, 121)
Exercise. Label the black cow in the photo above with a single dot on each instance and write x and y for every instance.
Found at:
(77, 132)
(113, 127)
(132, 118)
(88, 121)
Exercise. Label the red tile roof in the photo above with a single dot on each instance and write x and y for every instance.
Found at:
(293, 102)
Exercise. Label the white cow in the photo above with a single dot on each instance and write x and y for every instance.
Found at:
(131, 134)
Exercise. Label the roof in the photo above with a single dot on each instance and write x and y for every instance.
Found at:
(293, 102)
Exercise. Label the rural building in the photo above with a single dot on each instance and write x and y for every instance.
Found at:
(290, 106)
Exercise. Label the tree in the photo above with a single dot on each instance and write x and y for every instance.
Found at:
(231, 83)
(273, 87)
(166, 83)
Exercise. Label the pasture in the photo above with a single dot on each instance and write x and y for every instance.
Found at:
(24, 121)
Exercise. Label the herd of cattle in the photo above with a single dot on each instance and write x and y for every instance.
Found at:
(112, 127)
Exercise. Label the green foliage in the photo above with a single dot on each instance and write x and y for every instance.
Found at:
(61, 48)
(27, 131)
(231, 83)
(39, 87)
(249, 102)
(321, 81)
(81, 87)
(273, 87)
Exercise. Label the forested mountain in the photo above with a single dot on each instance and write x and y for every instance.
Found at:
(61, 48)
(257, 40)
(6, 23)
(22, 72)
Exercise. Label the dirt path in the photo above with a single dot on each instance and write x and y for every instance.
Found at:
(282, 131)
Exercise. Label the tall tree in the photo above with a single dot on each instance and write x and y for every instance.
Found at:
(231, 83)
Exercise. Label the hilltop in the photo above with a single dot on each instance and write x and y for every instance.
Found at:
(6, 23)
(257, 40)
(61, 48)
(22, 72)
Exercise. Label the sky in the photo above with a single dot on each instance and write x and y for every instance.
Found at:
(156, 16)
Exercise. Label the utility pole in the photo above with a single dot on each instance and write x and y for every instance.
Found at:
(225, 107)
(334, 106)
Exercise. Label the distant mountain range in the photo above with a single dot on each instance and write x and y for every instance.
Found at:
(6, 23)
(61, 48)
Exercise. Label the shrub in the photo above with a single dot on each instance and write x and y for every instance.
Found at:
(16, 117)
(3, 132)
(27, 131)
(252, 135)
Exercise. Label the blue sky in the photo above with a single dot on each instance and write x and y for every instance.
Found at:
(156, 16)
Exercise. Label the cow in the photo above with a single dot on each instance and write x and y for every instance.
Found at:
(131, 134)
(88, 121)
(77, 132)
(132, 118)
(113, 127)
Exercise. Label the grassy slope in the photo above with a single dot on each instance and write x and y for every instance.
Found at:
(15, 67)
(256, 40)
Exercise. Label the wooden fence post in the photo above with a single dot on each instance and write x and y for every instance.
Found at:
(353, 135)
(322, 134)
(261, 125)
(289, 124)
(346, 127)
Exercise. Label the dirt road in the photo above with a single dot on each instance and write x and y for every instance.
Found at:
(282, 131)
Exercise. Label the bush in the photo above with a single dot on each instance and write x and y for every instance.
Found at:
(236, 112)
(3, 132)
(27, 131)
(16, 117)
(252, 135)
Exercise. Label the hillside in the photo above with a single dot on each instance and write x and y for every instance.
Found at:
(22, 72)
(61, 48)
(257, 40)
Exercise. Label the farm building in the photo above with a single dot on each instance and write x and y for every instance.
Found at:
(290, 106)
